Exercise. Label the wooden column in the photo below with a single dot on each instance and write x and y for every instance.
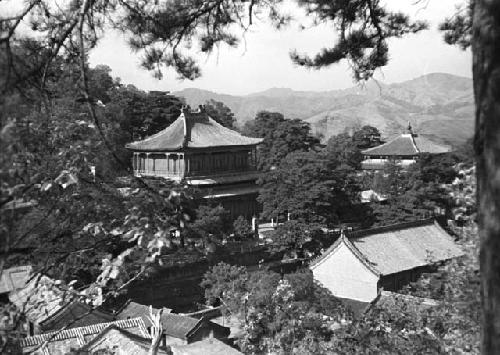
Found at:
(147, 163)
(182, 165)
(176, 163)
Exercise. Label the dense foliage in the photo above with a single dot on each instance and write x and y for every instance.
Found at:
(221, 113)
(59, 162)
(281, 137)
(305, 186)
(290, 315)
(420, 191)
(60, 119)
(293, 315)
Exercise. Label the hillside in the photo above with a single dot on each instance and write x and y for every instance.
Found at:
(440, 106)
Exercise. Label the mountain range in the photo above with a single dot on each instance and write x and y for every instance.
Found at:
(439, 106)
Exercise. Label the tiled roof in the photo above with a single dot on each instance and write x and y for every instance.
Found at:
(82, 334)
(407, 145)
(121, 339)
(192, 130)
(343, 240)
(76, 314)
(405, 246)
(174, 325)
(179, 326)
(399, 247)
(425, 145)
(14, 278)
(41, 298)
(133, 310)
(209, 346)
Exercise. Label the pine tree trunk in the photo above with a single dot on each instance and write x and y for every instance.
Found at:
(486, 73)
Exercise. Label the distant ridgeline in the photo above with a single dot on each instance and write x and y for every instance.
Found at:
(200, 152)
(440, 106)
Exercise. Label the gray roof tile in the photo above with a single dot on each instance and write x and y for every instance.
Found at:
(407, 145)
(399, 247)
(192, 130)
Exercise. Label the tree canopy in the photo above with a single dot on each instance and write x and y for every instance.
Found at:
(57, 173)
(305, 187)
(221, 113)
(281, 137)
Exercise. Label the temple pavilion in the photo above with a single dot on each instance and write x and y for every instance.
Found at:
(403, 150)
(198, 151)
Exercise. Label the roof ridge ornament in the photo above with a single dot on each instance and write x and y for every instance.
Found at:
(412, 137)
(185, 110)
(409, 128)
(342, 233)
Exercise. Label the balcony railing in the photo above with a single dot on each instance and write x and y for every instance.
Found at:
(196, 173)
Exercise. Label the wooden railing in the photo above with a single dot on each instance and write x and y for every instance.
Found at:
(159, 173)
(198, 174)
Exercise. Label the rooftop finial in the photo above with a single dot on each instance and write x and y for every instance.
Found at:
(185, 111)
(342, 232)
(410, 130)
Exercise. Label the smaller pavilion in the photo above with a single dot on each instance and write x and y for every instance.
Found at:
(200, 152)
(403, 150)
(362, 263)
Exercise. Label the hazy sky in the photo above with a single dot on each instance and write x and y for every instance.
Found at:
(265, 62)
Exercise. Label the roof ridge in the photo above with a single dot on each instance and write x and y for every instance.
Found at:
(396, 226)
(357, 253)
(397, 139)
(60, 310)
(125, 332)
(196, 322)
(75, 332)
(88, 308)
(183, 133)
(186, 127)
(122, 307)
(196, 326)
(412, 137)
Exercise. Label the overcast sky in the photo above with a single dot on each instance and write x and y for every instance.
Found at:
(265, 62)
